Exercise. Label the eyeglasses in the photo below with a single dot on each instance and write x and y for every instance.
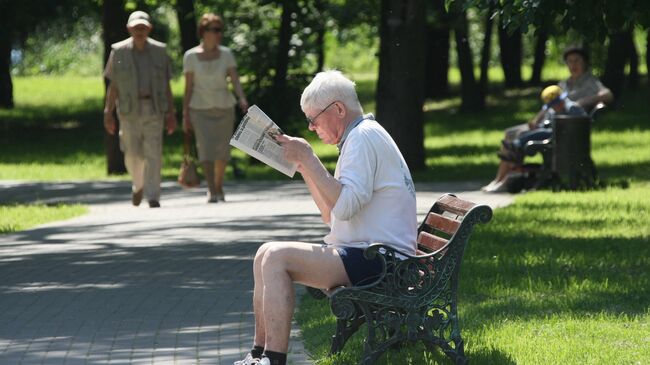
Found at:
(312, 120)
(214, 30)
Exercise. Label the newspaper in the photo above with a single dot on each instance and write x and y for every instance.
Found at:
(255, 135)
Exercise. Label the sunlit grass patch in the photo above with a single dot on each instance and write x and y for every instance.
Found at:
(18, 217)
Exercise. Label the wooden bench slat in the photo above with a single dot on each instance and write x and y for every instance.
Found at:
(454, 205)
(444, 224)
(431, 242)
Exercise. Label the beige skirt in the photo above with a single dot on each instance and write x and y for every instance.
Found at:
(213, 129)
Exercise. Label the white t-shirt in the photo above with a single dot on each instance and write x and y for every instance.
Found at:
(210, 84)
(377, 202)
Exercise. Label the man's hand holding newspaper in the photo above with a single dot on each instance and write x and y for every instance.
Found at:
(256, 135)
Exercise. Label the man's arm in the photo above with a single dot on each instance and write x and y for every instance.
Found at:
(324, 188)
(170, 118)
(109, 107)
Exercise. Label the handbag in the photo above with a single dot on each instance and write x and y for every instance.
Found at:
(188, 175)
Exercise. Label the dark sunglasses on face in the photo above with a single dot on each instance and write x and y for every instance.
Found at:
(214, 30)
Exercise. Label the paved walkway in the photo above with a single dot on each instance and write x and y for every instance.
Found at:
(126, 285)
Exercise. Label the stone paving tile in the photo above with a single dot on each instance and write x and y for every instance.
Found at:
(127, 285)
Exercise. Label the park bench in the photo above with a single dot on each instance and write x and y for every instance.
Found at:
(415, 297)
(567, 162)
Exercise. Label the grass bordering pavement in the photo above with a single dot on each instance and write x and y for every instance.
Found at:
(18, 217)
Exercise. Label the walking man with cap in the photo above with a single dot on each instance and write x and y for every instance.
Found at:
(139, 71)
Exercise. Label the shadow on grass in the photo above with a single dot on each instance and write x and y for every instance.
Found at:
(490, 357)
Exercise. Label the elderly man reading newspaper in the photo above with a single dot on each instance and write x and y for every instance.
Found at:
(370, 198)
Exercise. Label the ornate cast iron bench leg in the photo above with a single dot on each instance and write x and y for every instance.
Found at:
(344, 330)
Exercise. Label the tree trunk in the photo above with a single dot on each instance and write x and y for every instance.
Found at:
(471, 98)
(510, 45)
(647, 57)
(320, 37)
(485, 52)
(633, 76)
(6, 86)
(186, 23)
(113, 30)
(278, 109)
(614, 76)
(437, 52)
(400, 85)
(540, 56)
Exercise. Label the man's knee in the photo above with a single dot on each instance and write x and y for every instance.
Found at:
(263, 251)
(271, 254)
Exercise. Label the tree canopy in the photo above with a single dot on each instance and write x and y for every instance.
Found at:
(594, 19)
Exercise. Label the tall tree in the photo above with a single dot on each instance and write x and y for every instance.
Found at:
(186, 23)
(633, 55)
(437, 51)
(114, 19)
(319, 6)
(485, 53)
(617, 58)
(284, 37)
(400, 86)
(471, 95)
(539, 56)
(647, 56)
(6, 85)
(510, 44)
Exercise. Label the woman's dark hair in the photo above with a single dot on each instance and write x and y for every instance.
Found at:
(576, 50)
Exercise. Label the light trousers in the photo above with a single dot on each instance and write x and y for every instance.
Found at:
(141, 142)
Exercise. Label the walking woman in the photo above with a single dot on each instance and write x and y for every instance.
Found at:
(208, 104)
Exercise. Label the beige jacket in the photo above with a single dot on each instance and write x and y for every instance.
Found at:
(126, 81)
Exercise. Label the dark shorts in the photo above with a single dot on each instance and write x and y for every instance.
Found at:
(360, 270)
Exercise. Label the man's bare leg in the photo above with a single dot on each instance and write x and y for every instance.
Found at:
(284, 263)
(258, 308)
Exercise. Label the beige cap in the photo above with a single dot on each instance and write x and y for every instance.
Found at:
(138, 17)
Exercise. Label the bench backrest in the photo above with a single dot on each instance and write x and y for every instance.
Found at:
(441, 223)
(442, 238)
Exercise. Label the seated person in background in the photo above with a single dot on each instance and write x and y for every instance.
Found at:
(582, 87)
(555, 102)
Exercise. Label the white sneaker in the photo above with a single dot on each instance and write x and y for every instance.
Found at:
(499, 187)
(249, 360)
(489, 186)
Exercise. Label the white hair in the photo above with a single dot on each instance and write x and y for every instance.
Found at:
(327, 87)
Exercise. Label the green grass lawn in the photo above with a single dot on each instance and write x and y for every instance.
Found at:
(18, 217)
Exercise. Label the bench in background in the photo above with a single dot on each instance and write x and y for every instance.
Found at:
(567, 162)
